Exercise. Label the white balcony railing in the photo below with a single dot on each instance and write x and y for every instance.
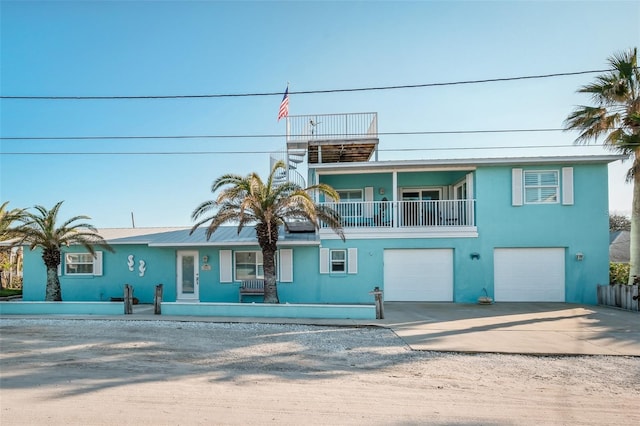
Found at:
(406, 214)
(305, 128)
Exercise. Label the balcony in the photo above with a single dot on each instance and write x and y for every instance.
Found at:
(333, 138)
(425, 215)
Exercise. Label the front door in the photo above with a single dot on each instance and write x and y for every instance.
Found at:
(188, 285)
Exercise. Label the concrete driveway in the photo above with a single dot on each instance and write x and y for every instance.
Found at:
(521, 328)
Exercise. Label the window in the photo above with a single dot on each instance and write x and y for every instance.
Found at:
(249, 265)
(338, 261)
(82, 264)
(350, 195)
(541, 186)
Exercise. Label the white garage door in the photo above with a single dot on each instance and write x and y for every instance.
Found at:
(529, 275)
(418, 275)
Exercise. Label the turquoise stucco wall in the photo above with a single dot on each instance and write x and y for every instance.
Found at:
(581, 227)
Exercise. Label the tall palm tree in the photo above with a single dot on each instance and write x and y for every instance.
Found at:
(39, 230)
(250, 201)
(616, 116)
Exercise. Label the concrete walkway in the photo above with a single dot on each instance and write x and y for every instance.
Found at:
(518, 328)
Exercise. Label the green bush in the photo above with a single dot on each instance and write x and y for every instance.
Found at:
(619, 273)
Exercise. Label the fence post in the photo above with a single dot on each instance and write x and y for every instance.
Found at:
(157, 300)
(128, 299)
(377, 293)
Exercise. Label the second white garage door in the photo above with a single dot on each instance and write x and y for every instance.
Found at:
(418, 275)
(529, 274)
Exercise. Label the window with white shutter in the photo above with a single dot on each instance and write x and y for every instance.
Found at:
(541, 187)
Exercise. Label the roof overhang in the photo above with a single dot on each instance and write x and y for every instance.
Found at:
(459, 163)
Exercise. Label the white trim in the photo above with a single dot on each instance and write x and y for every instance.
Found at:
(368, 197)
(234, 244)
(567, 186)
(470, 192)
(404, 233)
(352, 261)
(516, 187)
(226, 266)
(457, 163)
(286, 265)
(324, 260)
(97, 264)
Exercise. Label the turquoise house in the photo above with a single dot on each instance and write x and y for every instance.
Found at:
(527, 229)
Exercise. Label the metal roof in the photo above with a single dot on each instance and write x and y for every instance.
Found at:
(224, 236)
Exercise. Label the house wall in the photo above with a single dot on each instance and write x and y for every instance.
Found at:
(159, 269)
(581, 227)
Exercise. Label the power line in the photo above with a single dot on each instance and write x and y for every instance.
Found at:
(266, 136)
(304, 92)
(271, 152)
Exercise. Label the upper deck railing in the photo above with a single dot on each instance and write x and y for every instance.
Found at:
(324, 127)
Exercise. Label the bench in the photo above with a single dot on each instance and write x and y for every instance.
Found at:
(251, 288)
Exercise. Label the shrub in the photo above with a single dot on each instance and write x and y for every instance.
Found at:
(619, 273)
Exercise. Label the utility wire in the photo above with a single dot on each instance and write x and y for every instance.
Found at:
(271, 152)
(304, 92)
(255, 136)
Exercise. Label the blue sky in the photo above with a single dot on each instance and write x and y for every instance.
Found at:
(143, 48)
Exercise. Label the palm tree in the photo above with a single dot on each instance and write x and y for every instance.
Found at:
(616, 116)
(7, 219)
(7, 236)
(39, 230)
(250, 201)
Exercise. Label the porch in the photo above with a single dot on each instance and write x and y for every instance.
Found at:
(433, 214)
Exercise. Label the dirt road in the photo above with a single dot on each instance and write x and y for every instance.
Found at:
(182, 373)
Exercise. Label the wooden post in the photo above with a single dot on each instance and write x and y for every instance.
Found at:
(128, 299)
(157, 300)
(377, 294)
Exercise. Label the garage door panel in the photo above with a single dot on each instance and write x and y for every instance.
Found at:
(418, 275)
(529, 275)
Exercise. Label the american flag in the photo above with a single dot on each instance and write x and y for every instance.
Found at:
(284, 105)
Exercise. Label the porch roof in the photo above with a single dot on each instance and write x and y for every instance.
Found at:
(466, 163)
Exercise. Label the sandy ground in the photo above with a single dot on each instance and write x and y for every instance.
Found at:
(84, 372)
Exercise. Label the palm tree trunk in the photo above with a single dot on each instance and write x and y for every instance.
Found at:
(51, 259)
(268, 240)
(53, 293)
(634, 249)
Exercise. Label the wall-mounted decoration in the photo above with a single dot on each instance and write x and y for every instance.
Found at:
(142, 268)
(130, 262)
(206, 267)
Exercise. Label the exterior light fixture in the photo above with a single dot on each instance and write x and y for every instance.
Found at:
(579, 256)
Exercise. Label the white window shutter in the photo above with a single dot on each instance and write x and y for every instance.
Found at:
(62, 258)
(368, 198)
(97, 264)
(286, 265)
(567, 186)
(324, 260)
(516, 187)
(226, 266)
(352, 265)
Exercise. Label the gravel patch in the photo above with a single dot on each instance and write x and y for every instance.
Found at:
(293, 370)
